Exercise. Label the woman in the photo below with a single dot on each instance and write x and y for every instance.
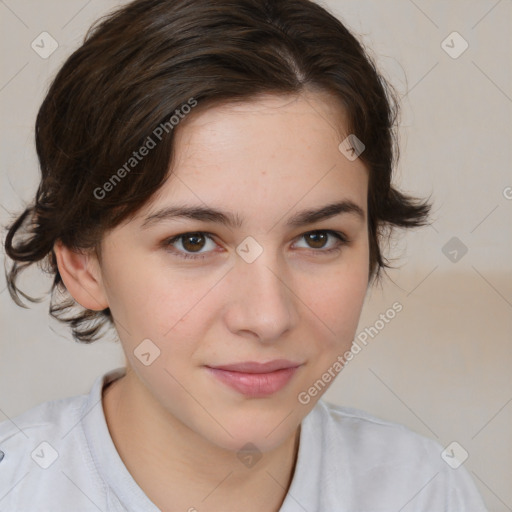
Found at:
(216, 184)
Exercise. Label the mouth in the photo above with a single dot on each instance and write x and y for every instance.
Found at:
(256, 379)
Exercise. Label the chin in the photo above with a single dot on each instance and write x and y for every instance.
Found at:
(253, 440)
(265, 431)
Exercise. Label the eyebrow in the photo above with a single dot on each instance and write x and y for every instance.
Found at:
(232, 220)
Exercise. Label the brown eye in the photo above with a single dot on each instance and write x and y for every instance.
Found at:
(193, 241)
(317, 239)
(192, 245)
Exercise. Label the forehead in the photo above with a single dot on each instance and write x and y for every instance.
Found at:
(315, 111)
(267, 154)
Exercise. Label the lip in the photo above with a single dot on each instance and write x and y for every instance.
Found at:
(256, 379)
(255, 367)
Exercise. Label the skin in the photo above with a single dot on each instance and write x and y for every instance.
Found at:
(264, 160)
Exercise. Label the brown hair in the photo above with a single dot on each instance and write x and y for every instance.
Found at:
(140, 65)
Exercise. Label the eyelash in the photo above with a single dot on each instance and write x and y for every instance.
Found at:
(342, 241)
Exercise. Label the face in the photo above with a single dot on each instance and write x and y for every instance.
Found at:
(265, 281)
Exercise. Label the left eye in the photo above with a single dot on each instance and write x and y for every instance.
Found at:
(319, 238)
(195, 241)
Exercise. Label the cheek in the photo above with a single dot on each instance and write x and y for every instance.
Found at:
(336, 301)
(144, 301)
(171, 309)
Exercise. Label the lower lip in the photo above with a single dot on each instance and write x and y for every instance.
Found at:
(255, 384)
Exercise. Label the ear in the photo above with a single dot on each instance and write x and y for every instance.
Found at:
(81, 274)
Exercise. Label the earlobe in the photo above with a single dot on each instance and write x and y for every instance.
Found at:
(81, 275)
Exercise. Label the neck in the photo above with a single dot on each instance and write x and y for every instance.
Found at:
(180, 470)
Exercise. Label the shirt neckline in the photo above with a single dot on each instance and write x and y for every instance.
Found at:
(120, 482)
(107, 460)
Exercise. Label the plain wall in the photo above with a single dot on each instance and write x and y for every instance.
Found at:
(442, 366)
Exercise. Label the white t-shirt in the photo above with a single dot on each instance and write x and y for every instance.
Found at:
(59, 457)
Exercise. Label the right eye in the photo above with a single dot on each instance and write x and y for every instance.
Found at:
(189, 242)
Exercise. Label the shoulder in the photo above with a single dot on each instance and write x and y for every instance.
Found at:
(371, 434)
(35, 432)
(388, 462)
(44, 413)
(48, 419)
(376, 443)
(44, 456)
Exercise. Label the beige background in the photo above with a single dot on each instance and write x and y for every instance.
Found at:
(442, 366)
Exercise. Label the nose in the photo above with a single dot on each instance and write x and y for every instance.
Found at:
(262, 302)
